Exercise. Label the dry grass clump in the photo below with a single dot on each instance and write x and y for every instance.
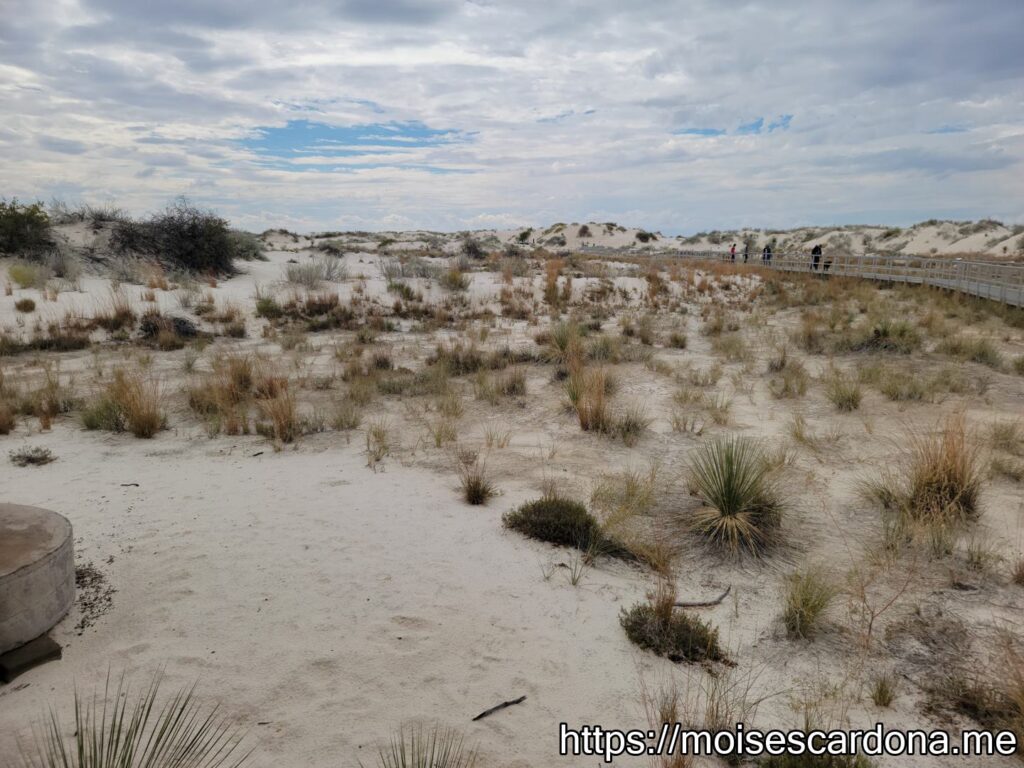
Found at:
(283, 423)
(1007, 436)
(975, 350)
(939, 481)
(416, 747)
(378, 442)
(631, 424)
(25, 305)
(477, 487)
(459, 358)
(677, 635)
(809, 592)
(311, 274)
(842, 391)
(742, 506)
(128, 404)
(347, 415)
(791, 377)
(587, 391)
(883, 690)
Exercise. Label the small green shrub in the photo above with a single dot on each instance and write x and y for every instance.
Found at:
(25, 305)
(558, 521)
(674, 634)
(24, 229)
(186, 236)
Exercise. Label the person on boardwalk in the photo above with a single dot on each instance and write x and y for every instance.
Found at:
(815, 257)
(766, 255)
(746, 251)
(732, 252)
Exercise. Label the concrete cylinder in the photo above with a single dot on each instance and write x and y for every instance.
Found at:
(37, 573)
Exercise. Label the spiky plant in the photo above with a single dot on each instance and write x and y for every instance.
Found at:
(742, 507)
(143, 731)
(416, 747)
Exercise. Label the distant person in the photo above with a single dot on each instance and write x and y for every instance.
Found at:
(815, 257)
(828, 260)
(732, 252)
(746, 252)
(766, 255)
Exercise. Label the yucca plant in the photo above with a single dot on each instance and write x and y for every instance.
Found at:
(144, 731)
(416, 747)
(736, 483)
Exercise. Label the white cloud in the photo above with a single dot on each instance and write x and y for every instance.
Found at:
(570, 110)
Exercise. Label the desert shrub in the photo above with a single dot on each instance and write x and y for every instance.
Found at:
(25, 305)
(808, 595)
(24, 228)
(29, 275)
(268, 307)
(186, 236)
(1007, 436)
(588, 392)
(312, 273)
(1018, 363)
(35, 457)
(645, 237)
(458, 358)
(556, 520)
(735, 481)
(454, 279)
(144, 729)
(677, 340)
(247, 246)
(472, 248)
(679, 636)
(128, 404)
(884, 336)
(418, 748)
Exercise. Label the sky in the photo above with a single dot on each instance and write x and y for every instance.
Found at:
(450, 115)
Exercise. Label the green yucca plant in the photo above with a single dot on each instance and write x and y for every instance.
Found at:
(736, 482)
(137, 732)
(416, 747)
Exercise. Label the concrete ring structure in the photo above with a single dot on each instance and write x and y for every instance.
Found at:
(37, 573)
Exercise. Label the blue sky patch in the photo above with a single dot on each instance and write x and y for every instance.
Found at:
(285, 147)
(699, 132)
(751, 128)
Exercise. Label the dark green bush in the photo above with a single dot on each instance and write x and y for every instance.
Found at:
(558, 521)
(185, 236)
(680, 637)
(24, 229)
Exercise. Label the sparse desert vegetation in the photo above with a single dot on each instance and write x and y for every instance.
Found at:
(735, 473)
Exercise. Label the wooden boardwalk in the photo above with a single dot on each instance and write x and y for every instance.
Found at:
(1002, 282)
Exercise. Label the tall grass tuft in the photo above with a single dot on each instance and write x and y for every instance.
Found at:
(736, 483)
(415, 747)
(137, 731)
(128, 404)
(808, 595)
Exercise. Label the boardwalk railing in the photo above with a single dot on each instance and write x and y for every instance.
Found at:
(989, 280)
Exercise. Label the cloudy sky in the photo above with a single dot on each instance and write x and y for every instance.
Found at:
(447, 114)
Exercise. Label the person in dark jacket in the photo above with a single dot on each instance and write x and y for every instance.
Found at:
(815, 257)
(766, 255)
